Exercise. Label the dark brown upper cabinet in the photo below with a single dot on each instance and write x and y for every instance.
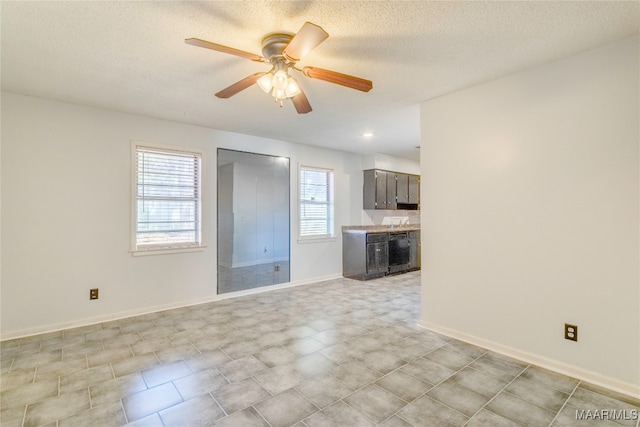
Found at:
(390, 190)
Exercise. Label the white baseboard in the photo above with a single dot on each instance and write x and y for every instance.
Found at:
(613, 384)
(152, 309)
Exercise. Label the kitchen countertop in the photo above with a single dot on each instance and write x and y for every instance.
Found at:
(379, 228)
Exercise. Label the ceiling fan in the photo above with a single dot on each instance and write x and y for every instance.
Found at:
(283, 51)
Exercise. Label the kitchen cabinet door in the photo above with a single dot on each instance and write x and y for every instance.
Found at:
(369, 190)
(376, 189)
(414, 189)
(392, 203)
(377, 258)
(381, 190)
(402, 188)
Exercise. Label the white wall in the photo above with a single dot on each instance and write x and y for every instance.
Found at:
(384, 217)
(66, 176)
(531, 214)
(390, 163)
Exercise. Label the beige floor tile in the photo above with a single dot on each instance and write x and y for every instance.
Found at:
(144, 403)
(338, 352)
(108, 414)
(201, 382)
(30, 393)
(199, 411)
(55, 408)
(115, 389)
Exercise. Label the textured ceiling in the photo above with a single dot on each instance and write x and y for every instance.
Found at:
(131, 56)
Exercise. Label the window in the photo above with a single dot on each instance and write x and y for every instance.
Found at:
(316, 203)
(167, 199)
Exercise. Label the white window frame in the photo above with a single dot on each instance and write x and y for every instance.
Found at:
(331, 205)
(167, 249)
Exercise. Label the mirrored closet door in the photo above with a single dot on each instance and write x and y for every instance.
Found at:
(253, 220)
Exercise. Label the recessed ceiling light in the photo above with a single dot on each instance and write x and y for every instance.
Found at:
(367, 134)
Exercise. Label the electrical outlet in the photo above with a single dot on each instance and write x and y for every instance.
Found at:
(570, 332)
(93, 293)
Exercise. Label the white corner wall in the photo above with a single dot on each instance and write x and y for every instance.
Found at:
(66, 176)
(390, 163)
(531, 195)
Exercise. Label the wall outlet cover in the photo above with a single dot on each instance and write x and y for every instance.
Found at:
(570, 332)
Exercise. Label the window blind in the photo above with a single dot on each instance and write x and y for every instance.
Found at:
(316, 202)
(167, 199)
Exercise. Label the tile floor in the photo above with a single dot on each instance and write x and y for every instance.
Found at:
(336, 353)
(253, 276)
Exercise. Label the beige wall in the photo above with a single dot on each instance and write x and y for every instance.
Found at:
(530, 195)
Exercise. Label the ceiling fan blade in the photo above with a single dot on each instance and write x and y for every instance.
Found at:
(338, 78)
(309, 36)
(301, 103)
(224, 49)
(239, 86)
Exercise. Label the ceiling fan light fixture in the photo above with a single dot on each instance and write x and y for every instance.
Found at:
(292, 88)
(266, 82)
(279, 84)
(279, 94)
(280, 80)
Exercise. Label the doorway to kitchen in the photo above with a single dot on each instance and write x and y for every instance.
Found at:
(253, 220)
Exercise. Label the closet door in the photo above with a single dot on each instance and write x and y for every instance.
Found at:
(253, 220)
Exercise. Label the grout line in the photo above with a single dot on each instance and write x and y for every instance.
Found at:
(433, 386)
(455, 372)
(444, 404)
(497, 394)
(318, 409)
(90, 400)
(226, 414)
(24, 415)
(500, 416)
(126, 418)
(346, 403)
(261, 416)
(565, 403)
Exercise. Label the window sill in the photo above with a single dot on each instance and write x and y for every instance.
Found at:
(317, 239)
(166, 251)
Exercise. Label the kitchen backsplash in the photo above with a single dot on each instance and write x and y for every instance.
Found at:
(391, 217)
